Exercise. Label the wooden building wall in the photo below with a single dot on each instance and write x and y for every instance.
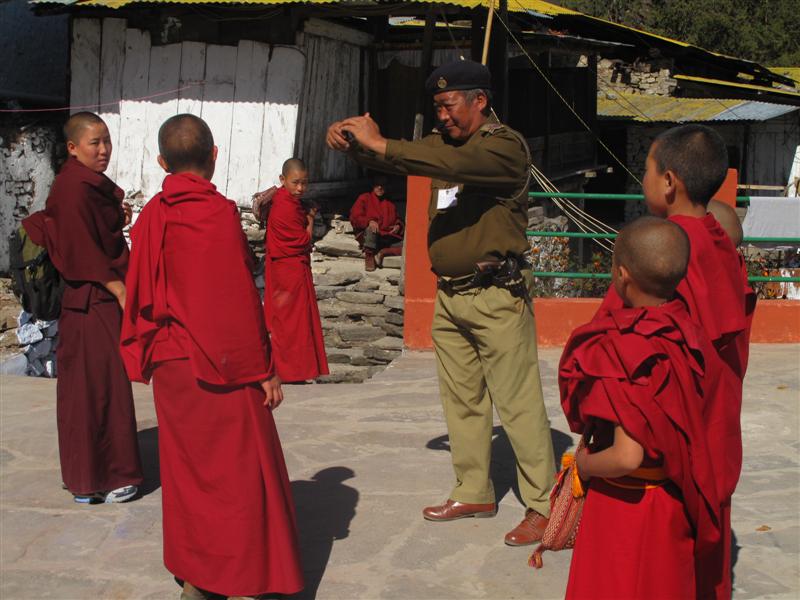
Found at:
(264, 103)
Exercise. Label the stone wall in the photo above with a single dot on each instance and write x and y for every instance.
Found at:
(27, 156)
(652, 77)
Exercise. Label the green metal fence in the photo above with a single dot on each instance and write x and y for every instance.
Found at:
(623, 197)
(611, 236)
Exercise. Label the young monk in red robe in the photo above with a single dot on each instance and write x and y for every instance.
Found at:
(378, 229)
(685, 167)
(290, 301)
(193, 323)
(81, 227)
(632, 380)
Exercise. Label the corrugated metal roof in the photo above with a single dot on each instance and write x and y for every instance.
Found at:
(536, 6)
(744, 86)
(666, 109)
(792, 73)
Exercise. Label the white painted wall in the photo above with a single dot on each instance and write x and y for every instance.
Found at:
(249, 94)
(26, 174)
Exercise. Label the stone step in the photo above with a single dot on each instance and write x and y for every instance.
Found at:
(337, 279)
(360, 297)
(333, 309)
(359, 333)
(392, 262)
(395, 302)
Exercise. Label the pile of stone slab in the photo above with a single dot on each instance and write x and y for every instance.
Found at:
(361, 312)
(35, 352)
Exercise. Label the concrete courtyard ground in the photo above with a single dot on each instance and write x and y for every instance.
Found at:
(364, 459)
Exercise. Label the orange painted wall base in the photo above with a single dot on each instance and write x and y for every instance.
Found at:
(775, 321)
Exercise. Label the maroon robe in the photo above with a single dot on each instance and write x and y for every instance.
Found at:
(81, 227)
(193, 321)
(368, 207)
(290, 301)
(643, 369)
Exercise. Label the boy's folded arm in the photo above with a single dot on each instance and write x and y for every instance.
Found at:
(620, 459)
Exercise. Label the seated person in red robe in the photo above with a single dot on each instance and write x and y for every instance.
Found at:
(193, 323)
(81, 227)
(290, 301)
(633, 380)
(377, 227)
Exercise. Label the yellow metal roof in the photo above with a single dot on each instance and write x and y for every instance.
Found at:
(539, 6)
(645, 108)
(790, 72)
(745, 86)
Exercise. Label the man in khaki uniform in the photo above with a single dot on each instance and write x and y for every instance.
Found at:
(484, 332)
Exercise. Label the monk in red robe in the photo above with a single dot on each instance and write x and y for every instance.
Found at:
(81, 227)
(378, 229)
(632, 381)
(290, 301)
(685, 167)
(193, 323)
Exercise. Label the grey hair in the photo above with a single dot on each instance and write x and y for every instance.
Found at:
(471, 95)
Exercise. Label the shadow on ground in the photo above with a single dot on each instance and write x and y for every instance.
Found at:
(503, 470)
(148, 449)
(325, 507)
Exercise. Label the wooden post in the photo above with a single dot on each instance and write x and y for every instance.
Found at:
(423, 106)
(488, 33)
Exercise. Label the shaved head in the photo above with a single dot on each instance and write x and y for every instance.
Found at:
(656, 254)
(728, 219)
(77, 123)
(185, 143)
(293, 164)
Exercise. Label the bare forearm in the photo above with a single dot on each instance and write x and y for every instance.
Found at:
(623, 457)
(117, 288)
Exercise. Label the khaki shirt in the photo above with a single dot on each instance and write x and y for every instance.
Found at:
(486, 217)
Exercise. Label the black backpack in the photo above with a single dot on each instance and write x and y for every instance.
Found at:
(36, 282)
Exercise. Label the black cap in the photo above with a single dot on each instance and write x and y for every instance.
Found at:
(458, 75)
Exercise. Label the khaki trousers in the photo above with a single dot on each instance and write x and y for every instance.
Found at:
(485, 344)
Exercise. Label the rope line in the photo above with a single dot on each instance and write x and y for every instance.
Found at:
(192, 84)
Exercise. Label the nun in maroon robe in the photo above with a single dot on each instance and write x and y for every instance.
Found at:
(718, 298)
(646, 535)
(81, 227)
(193, 322)
(290, 301)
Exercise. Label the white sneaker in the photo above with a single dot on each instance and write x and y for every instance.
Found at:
(122, 494)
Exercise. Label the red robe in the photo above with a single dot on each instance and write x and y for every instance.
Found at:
(718, 298)
(193, 322)
(643, 369)
(81, 227)
(290, 301)
(368, 207)
(714, 290)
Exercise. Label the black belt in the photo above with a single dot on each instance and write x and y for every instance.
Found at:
(504, 273)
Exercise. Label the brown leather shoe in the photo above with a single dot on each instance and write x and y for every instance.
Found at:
(369, 261)
(529, 531)
(452, 510)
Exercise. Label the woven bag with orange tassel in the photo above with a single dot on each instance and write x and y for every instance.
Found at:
(566, 505)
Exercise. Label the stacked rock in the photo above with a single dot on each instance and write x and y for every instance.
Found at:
(36, 353)
(361, 312)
